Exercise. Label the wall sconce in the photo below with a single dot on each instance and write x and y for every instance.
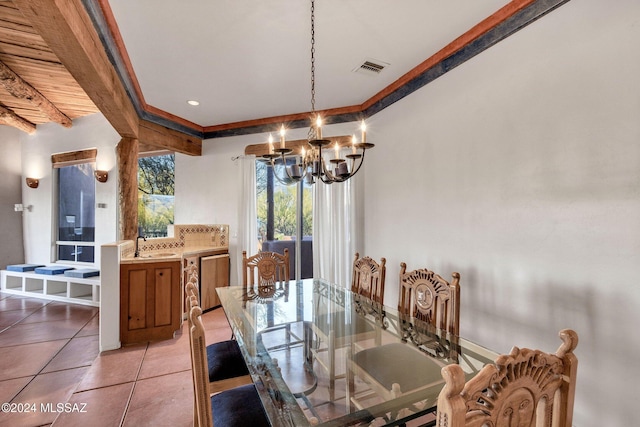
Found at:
(33, 182)
(101, 176)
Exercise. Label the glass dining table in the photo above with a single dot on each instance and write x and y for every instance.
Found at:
(278, 330)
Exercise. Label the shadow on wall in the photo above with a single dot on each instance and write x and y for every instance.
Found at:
(503, 313)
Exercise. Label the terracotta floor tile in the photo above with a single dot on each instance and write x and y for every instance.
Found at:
(39, 332)
(91, 328)
(166, 357)
(103, 407)
(51, 388)
(8, 318)
(217, 335)
(79, 351)
(114, 367)
(10, 388)
(215, 319)
(25, 360)
(14, 302)
(158, 401)
(61, 311)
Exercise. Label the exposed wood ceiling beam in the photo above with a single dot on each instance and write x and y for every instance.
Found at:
(10, 118)
(19, 88)
(69, 32)
(160, 137)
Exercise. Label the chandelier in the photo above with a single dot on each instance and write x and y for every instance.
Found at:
(311, 164)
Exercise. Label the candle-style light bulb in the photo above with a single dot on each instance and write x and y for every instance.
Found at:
(354, 141)
(270, 144)
(282, 131)
(304, 153)
(337, 150)
(319, 127)
(363, 128)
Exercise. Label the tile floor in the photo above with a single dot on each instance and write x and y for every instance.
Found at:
(51, 370)
(49, 356)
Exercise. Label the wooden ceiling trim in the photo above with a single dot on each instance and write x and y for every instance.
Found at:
(106, 25)
(69, 32)
(296, 146)
(512, 17)
(19, 88)
(160, 137)
(74, 157)
(10, 118)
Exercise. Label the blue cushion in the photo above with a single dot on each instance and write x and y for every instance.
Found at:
(238, 407)
(82, 272)
(53, 269)
(225, 361)
(23, 267)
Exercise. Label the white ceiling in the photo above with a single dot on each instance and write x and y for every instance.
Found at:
(245, 60)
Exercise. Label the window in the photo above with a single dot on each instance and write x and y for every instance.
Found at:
(280, 208)
(76, 189)
(156, 185)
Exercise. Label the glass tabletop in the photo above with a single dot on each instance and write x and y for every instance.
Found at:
(386, 367)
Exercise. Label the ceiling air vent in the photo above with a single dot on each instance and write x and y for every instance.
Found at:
(371, 66)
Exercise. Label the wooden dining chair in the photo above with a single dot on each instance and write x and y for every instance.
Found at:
(237, 407)
(226, 365)
(426, 296)
(525, 388)
(264, 271)
(367, 280)
(396, 368)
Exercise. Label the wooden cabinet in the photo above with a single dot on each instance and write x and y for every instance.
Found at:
(150, 301)
(214, 273)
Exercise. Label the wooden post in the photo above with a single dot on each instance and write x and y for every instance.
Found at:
(127, 153)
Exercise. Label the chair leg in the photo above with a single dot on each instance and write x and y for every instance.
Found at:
(350, 380)
(332, 366)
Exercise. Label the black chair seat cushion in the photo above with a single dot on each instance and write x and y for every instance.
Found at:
(238, 407)
(399, 363)
(225, 361)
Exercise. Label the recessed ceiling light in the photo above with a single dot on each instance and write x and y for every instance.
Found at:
(193, 102)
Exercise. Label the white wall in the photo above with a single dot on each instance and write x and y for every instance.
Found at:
(11, 250)
(521, 170)
(87, 132)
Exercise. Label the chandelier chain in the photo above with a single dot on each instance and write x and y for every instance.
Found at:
(311, 165)
(313, 58)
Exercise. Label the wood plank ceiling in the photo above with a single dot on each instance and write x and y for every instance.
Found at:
(35, 87)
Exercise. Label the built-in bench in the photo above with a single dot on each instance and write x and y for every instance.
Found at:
(55, 282)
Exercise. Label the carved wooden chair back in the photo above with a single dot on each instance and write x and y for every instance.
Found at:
(426, 296)
(368, 278)
(525, 388)
(265, 270)
(200, 371)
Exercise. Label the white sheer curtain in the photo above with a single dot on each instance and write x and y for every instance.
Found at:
(336, 235)
(247, 217)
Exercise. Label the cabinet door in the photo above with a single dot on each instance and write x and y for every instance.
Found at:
(149, 301)
(214, 273)
(134, 299)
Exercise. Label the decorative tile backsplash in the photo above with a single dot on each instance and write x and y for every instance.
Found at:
(186, 236)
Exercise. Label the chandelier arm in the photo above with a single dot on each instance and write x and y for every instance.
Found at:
(359, 164)
(275, 173)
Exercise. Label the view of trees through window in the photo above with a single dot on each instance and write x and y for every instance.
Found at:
(156, 186)
(279, 207)
(284, 200)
